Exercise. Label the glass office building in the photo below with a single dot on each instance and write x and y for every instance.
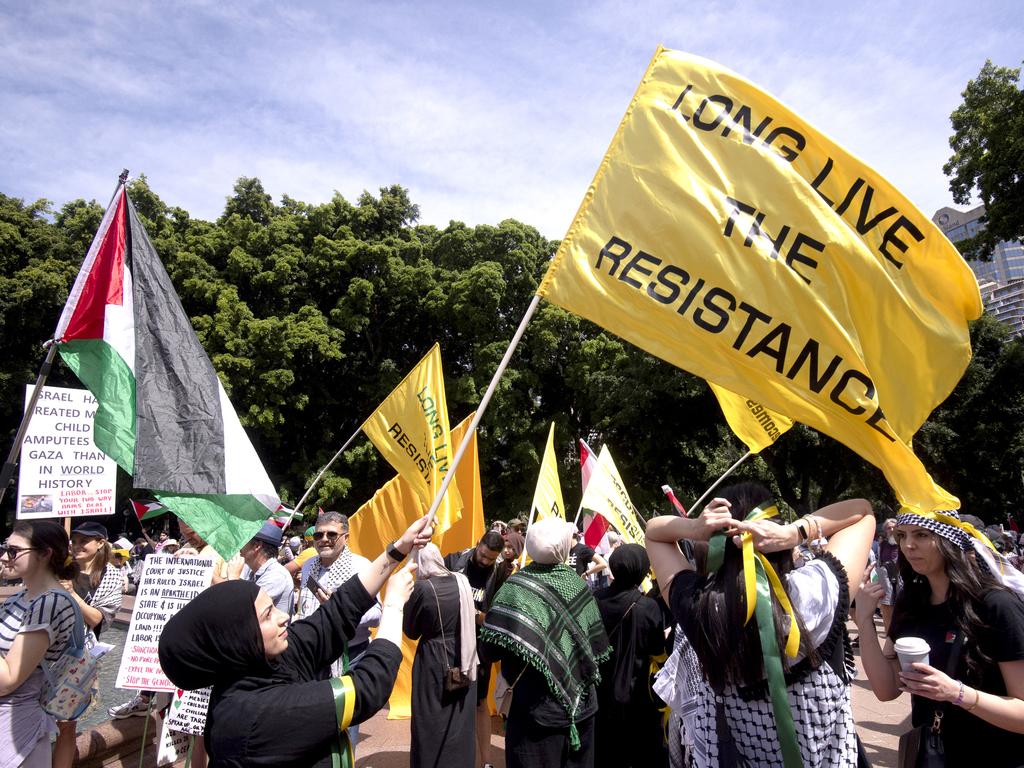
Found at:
(1001, 280)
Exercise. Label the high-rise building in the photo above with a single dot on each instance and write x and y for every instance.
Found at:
(1000, 280)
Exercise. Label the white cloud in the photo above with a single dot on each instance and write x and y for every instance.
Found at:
(484, 112)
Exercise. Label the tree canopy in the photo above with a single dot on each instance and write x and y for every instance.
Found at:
(988, 156)
(311, 314)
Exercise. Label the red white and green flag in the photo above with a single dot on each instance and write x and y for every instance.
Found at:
(163, 415)
(147, 510)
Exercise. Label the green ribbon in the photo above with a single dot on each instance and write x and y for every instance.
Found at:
(769, 646)
(773, 671)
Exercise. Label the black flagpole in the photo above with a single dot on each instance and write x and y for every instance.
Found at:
(7, 473)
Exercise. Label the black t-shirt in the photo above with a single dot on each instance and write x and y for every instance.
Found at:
(580, 557)
(1002, 640)
(476, 575)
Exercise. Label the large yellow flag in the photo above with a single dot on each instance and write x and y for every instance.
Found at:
(606, 495)
(751, 422)
(547, 497)
(394, 508)
(727, 236)
(411, 429)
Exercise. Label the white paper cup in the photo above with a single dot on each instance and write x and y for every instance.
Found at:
(911, 650)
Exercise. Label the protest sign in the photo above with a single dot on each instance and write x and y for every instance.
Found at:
(173, 745)
(187, 712)
(168, 584)
(62, 472)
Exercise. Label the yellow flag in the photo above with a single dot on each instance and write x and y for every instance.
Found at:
(751, 422)
(547, 497)
(606, 495)
(411, 429)
(727, 236)
(471, 526)
(394, 508)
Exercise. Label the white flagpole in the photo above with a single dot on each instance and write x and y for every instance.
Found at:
(320, 474)
(450, 474)
(696, 505)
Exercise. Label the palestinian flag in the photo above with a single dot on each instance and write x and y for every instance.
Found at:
(163, 415)
(147, 510)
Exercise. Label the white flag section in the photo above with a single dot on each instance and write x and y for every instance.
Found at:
(606, 495)
(62, 472)
(168, 584)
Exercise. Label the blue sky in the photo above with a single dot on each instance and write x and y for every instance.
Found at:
(484, 110)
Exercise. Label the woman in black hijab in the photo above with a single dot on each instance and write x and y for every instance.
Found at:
(636, 632)
(231, 637)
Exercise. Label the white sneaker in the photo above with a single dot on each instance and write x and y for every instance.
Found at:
(137, 706)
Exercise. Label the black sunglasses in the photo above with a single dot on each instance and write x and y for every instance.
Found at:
(12, 553)
(331, 535)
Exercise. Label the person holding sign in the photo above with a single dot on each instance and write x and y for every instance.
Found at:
(796, 648)
(35, 626)
(232, 638)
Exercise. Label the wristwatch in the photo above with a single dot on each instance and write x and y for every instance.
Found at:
(394, 553)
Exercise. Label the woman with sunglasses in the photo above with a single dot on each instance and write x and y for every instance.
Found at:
(35, 625)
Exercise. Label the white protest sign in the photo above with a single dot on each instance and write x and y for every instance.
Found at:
(62, 472)
(187, 712)
(168, 584)
(173, 746)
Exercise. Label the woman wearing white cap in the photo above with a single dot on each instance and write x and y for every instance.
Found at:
(965, 602)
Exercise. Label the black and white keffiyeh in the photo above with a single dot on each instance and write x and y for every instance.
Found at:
(947, 524)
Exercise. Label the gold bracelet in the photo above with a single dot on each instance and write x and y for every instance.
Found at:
(977, 698)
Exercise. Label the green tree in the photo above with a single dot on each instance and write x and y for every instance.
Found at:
(988, 156)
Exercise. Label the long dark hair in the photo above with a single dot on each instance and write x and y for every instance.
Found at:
(730, 652)
(45, 535)
(969, 581)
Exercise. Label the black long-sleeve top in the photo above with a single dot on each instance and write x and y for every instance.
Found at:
(289, 719)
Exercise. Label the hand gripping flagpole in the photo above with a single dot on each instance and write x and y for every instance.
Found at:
(450, 474)
(7, 473)
(695, 507)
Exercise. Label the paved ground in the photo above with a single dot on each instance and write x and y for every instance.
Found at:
(385, 743)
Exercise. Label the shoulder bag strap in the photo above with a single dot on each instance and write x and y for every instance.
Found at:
(440, 620)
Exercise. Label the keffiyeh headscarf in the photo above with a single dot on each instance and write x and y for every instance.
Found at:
(947, 524)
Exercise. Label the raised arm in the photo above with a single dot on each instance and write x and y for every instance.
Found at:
(663, 533)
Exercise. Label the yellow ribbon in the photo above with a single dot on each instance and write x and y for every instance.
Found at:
(967, 528)
(750, 579)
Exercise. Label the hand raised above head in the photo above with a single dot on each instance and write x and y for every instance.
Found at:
(714, 518)
(767, 536)
(416, 536)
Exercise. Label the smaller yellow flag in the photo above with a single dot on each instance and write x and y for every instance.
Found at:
(751, 422)
(547, 498)
(410, 428)
(606, 495)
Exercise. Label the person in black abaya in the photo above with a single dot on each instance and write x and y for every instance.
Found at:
(440, 614)
(629, 729)
(231, 637)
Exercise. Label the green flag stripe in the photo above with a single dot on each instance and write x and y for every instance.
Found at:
(226, 522)
(99, 366)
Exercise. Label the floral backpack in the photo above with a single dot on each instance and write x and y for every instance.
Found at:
(71, 681)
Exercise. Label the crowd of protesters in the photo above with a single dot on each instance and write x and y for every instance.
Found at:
(593, 648)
